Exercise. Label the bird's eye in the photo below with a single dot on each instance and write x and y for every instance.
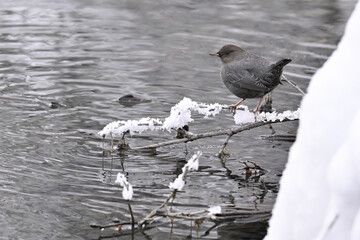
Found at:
(226, 53)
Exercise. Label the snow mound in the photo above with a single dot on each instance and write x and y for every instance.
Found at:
(319, 195)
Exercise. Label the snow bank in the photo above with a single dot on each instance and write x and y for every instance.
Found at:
(319, 194)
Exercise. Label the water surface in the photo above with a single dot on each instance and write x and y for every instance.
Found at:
(63, 65)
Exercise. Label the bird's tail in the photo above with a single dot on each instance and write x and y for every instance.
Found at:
(278, 66)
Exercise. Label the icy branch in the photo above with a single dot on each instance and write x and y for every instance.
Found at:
(180, 115)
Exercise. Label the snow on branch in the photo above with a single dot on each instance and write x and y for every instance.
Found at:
(180, 115)
(176, 186)
(127, 187)
(192, 164)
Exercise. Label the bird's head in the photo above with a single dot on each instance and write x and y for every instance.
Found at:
(228, 53)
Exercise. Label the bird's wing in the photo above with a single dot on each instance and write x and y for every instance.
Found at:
(247, 78)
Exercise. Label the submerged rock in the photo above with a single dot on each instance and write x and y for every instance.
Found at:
(130, 100)
(55, 105)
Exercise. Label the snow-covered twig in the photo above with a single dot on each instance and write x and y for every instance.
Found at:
(180, 116)
(127, 193)
(177, 185)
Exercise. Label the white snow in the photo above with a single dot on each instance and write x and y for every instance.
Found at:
(180, 115)
(127, 192)
(214, 210)
(178, 183)
(273, 116)
(244, 116)
(117, 128)
(191, 165)
(319, 195)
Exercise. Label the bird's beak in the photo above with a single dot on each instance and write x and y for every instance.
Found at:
(215, 54)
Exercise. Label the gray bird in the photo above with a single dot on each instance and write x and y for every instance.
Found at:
(247, 75)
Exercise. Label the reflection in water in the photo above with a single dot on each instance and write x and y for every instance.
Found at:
(63, 67)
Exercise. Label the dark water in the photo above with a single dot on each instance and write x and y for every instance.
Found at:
(64, 64)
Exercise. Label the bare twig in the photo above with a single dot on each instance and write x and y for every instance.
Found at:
(280, 137)
(293, 84)
(218, 216)
(184, 216)
(256, 166)
(110, 225)
(132, 216)
(122, 143)
(222, 153)
(154, 212)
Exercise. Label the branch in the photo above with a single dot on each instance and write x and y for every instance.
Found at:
(155, 211)
(280, 137)
(217, 216)
(230, 131)
(293, 84)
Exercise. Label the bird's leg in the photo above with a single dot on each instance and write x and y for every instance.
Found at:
(233, 107)
(257, 108)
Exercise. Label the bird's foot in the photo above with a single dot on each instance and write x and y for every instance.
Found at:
(255, 111)
(233, 109)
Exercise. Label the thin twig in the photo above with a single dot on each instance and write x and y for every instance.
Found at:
(280, 137)
(256, 166)
(154, 212)
(132, 216)
(218, 216)
(182, 216)
(293, 84)
(110, 225)
(222, 153)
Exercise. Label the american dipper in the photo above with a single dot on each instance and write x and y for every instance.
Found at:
(247, 75)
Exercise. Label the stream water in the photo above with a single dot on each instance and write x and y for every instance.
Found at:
(64, 65)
